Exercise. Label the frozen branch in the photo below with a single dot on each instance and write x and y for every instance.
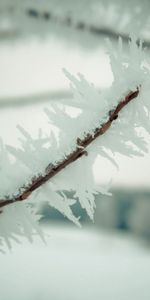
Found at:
(101, 18)
(80, 25)
(53, 170)
(68, 22)
(91, 130)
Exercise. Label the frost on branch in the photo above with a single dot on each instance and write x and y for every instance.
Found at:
(99, 17)
(46, 166)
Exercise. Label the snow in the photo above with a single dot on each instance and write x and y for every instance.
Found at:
(77, 264)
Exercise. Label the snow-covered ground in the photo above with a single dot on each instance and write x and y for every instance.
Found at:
(76, 264)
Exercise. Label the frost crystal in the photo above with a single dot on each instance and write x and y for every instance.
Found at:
(36, 156)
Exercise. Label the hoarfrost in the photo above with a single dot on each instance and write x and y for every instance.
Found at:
(36, 155)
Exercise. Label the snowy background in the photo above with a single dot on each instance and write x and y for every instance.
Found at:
(96, 261)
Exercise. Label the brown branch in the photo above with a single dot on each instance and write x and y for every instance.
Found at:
(52, 170)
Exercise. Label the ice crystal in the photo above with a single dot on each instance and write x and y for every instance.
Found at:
(36, 155)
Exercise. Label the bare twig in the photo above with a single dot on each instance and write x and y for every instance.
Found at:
(52, 170)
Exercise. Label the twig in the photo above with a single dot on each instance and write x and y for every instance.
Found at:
(52, 170)
(14, 33)
(80, 25)
(68, 22)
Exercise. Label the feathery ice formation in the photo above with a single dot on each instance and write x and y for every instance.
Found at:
(118, 113)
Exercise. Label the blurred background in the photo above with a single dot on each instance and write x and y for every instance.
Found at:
(110, 258)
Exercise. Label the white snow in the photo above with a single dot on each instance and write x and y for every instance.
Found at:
(76, 264)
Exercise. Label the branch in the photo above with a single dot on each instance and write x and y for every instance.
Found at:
(52, 170)
(68, 22)
(80, 25)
